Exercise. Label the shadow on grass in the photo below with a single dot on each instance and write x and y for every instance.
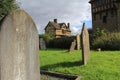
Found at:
(63, 64)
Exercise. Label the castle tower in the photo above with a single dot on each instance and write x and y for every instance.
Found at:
(106, 14)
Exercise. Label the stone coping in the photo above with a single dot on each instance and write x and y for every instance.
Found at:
(48, 75)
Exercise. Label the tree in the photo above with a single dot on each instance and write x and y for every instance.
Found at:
(7, 6)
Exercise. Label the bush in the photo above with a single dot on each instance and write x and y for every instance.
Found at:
(62, 43)
(96, 33)
(7, 6)
(109, 41)
(52, 42)
(47, 38)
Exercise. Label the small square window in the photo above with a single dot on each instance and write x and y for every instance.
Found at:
(104, 19)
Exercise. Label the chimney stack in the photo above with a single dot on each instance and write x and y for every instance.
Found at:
(55, 20)
(68, 24)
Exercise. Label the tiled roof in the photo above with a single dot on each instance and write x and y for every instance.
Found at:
(57, 26)
(61, 24)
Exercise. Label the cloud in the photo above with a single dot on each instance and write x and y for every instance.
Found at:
(42, 11)
(75, 30)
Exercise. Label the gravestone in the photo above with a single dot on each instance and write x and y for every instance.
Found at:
(19, 47)
(72, 47)
(85, 45)
(78, 41)
(42, 44)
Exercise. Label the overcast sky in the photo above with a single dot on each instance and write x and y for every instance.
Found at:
(73, 11)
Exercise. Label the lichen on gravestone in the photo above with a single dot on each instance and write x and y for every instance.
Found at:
(19, 47)
(42, 44)
(72, 47)
(78, 41)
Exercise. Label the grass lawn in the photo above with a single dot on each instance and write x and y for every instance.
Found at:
(104, 65)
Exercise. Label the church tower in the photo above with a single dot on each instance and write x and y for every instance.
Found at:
(106, 14)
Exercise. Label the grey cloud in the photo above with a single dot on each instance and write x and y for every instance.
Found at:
(42, 11)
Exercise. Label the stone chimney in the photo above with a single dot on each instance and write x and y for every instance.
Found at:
(55, 20)
(68, 24)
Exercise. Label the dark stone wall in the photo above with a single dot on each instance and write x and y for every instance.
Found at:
(110, 24)
(109, 11)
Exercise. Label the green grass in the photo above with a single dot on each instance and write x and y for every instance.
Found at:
(104, 65)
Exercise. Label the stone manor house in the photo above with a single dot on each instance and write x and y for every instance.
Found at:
(106, 14)
(58, 30)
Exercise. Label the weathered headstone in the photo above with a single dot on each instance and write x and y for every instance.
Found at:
(42, 44)
(78, 41)
(85, 45)
(72, 47)
(19, 47)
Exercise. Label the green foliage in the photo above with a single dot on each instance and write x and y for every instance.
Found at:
(96, 33)
(101, 38)
(99, 32)
(110, 41)
(102, 65)
(47, 38)
(62, 43)
(7, 6)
